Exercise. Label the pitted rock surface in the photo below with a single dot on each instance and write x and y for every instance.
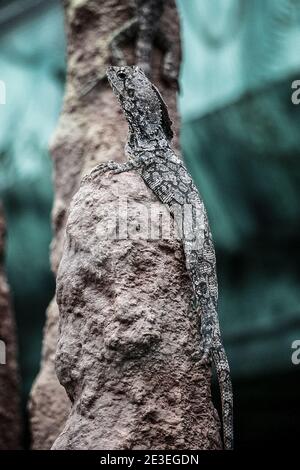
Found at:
(128, 344)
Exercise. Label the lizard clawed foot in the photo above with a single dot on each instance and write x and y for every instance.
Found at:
(122, 167)
(113, 167)
(104, 167)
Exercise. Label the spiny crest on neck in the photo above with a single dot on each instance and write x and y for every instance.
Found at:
(143, 105)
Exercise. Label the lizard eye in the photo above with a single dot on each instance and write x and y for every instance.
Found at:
(121, 75)
(130, 92)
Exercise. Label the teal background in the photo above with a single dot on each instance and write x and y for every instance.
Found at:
(32, 65)
(240, 138)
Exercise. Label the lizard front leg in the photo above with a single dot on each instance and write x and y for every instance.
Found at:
(127, 166)
(103, 168)
(113, 167)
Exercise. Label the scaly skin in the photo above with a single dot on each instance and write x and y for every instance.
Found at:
(150, 154)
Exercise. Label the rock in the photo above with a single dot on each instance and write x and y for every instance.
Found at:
(49, 405)
(128, 344)
(91, 129)
(10, 413)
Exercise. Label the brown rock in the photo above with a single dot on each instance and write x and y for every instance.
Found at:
(49, 405)
(127, 350)
(91, 130)
(10, 415)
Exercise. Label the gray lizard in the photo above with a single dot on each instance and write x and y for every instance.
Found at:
(144, 26)
(149, 152)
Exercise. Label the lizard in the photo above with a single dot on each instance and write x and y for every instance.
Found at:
(144, 25)
(149, 152)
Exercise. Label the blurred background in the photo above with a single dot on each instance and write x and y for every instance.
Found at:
(240, 139)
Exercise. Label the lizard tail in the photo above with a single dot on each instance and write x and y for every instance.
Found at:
(223, 373)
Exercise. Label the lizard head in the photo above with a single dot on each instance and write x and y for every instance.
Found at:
(142, 104)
